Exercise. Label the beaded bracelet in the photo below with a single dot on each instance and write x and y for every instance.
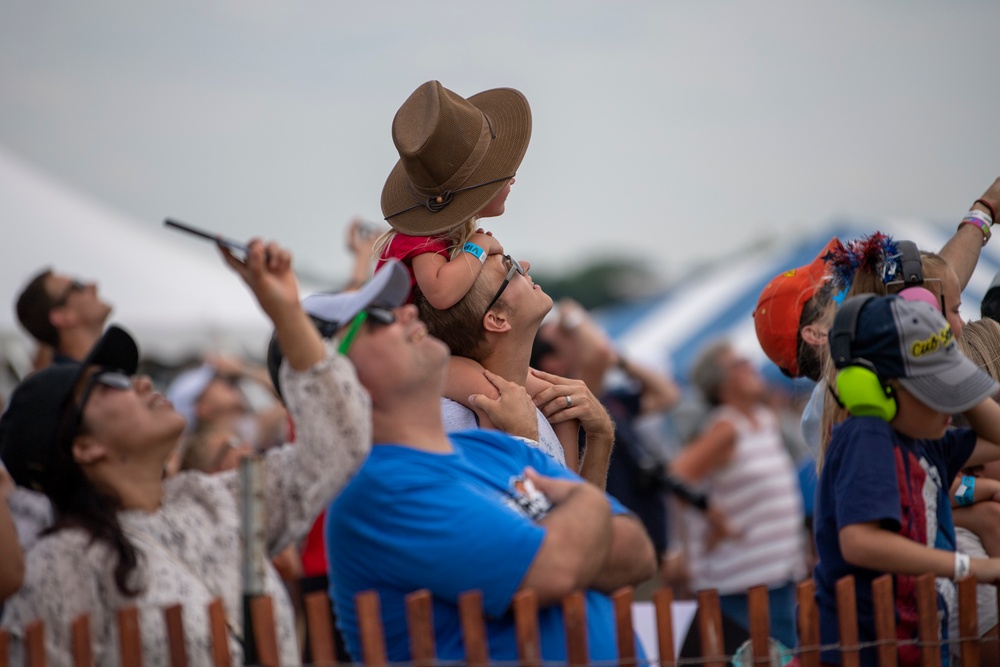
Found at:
(978, 221)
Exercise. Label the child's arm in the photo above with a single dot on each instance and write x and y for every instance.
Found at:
(444, 282)
(465, 378)
(866, 545)
(983, 489)
(985, 421)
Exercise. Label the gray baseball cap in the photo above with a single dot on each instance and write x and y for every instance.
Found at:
(912, 341)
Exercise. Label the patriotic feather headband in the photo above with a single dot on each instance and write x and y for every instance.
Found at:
(875, 254)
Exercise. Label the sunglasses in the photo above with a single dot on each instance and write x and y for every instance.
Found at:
(104, 377)
(512, 268)
(375, 315)
(73, 287)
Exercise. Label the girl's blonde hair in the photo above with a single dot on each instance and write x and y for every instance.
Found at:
(935, 268)
(980, 342)
(457, 237)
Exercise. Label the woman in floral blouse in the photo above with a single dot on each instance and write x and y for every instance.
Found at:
(95, 439)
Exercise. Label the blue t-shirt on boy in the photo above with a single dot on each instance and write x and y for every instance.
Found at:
(872, 473)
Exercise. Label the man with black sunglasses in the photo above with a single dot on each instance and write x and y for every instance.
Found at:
(63, 313)
(452, 512)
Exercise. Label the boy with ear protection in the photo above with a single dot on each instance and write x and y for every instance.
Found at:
(883, 499)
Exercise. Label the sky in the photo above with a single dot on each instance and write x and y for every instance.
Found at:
(666, 133)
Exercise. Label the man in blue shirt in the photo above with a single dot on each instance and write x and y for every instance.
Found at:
(475, 510)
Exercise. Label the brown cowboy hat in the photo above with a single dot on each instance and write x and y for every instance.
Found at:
(455, 156)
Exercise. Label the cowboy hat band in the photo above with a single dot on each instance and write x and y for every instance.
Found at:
(456, 155)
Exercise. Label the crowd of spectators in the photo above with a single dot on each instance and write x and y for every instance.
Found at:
(440, 423)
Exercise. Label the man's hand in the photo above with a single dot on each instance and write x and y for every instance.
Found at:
(556, 490)
(513, 412)
(361, 236)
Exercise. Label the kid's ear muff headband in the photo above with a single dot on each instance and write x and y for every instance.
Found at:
(859, 387)
(845, 323)
(911, 269)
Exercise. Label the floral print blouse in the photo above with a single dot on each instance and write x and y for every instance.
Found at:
(190, 551)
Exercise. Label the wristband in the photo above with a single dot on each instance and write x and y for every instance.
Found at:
(475, 251)
(976, 221)
(965, 493)
(963, 566)
(979, 215)
(988, 206)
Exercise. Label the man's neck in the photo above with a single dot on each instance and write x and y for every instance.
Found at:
(509, 360)
(416, 425)
(77, 343)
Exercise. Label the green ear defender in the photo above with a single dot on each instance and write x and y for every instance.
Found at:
(859, 387)
(862, 392)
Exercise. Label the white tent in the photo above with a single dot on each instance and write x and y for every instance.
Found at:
(173, 293)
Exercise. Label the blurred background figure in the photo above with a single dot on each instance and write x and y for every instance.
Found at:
(360, 239)
(62, 314)
(740, 462)
(575, 346)
(217, 394)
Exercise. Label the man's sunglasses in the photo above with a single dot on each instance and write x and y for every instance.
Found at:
(73, 287)
(512, 268)
(106, 377)
(373, 315)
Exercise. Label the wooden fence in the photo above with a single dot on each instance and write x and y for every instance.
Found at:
(525, 610)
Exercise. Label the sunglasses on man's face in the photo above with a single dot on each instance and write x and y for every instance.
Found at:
(72, 288)
(105, 377)
(374, 315)
(512, 268)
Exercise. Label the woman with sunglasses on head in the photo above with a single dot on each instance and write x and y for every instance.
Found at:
(95, 438)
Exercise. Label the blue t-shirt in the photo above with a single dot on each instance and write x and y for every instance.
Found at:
(873, 473)
(449, 523)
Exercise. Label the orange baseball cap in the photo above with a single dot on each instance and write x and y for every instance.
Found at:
(779, 309)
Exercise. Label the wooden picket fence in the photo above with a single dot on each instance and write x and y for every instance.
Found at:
(525, 612)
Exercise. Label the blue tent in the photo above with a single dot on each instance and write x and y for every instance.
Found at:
(718, 300)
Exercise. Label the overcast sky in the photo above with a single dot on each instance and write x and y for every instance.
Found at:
(668, 132)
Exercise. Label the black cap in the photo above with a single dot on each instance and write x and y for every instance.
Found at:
(990, 306)
(29, 428)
